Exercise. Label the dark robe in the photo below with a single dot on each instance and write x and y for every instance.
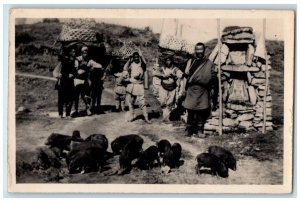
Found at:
(200, 78)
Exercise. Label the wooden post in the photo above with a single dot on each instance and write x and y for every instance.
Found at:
(267, 78)
(220, 82)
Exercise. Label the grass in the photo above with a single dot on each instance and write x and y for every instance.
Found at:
(39, 95)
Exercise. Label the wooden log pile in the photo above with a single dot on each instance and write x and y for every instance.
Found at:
(243, 83)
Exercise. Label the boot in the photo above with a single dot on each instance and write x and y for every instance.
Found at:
(145, 113)
(200, 133)
(188, 132)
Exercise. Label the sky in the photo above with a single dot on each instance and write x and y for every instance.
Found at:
(203, 29)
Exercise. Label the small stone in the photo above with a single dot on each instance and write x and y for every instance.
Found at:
(236, 107)
(229, 111)
(233, 116)
(229, 122)
(245, 117)
(246, 124)
(252, 95)
(213, 121)
(259, 75)
(268, 123)
(268, 110)
(256, 81)
(249, 77)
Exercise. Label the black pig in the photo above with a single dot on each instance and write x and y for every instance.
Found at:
(172, 156)
(120, 142)
(163, 147)
(225, 155)
(213, 162)
(147, 158)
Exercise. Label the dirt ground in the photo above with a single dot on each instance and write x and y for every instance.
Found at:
(34, 127)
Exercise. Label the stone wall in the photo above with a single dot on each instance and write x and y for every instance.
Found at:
(243, 78)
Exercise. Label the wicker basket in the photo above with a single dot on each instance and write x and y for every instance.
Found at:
(68, 35)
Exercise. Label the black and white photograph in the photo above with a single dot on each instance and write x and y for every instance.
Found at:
(151, 101)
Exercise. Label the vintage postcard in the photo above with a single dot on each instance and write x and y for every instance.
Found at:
(150, 101)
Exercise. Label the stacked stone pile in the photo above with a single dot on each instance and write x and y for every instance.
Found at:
(243, 80)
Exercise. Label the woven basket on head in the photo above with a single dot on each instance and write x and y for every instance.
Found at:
(126, 50)
(68, 34)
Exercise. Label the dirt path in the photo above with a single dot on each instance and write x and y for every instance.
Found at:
(31, 135)
(33, 130)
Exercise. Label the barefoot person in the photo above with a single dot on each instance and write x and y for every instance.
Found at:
(201, 79)
(64, 72)
(170, 77)
(135, 68)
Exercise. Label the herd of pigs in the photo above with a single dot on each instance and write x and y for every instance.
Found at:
(90, 154)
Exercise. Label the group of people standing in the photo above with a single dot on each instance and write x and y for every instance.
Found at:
(194, 88)
(78, 77)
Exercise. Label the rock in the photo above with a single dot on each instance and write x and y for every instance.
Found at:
(215, 113)
(229, 111)
(268, 128)
(269, 118)
(261, 93)
(246, 124)
(269, 98)
(256, 81)
(260, 110)
(208, 132)
(246, 111)
(249, 77)
(233, 116)
(250, 54)
(245, 117)
(252, 95)
(239, 68)
(227, 74)
(237, 107)
(259, 64)
(263, 67)
(213, 121)
(259, 75)
(229, 122)
(268, 123)
(209, 127)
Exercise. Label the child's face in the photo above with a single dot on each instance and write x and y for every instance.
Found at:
(72, 53)
(168, 62)
(136, 58)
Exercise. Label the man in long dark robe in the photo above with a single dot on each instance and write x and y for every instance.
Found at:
(201, 80)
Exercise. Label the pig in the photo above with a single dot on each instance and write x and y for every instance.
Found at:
(48, 157)
(147, 158)
(120, 142)
(211, 161)
(98, 137)
(172, 156)
(62, 142)
(225, 155)
(87, 160)
(131, 151)
(163, 147)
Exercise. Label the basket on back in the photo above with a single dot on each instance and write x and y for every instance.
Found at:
(69, 34)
